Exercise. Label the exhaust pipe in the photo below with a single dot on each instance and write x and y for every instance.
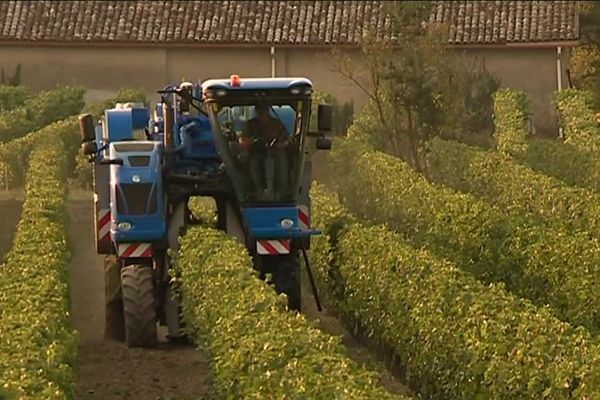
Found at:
(86, 128)
(168, 140)
(168, 121)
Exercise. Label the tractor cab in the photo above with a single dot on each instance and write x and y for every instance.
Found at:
(260, 127)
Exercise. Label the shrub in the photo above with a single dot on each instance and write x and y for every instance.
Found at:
(511, 114)
(37, 344)
(530, 260)
(39, 111)
(576, 165)
(12, 97)
(455, 337)
(14, 155)
(572, 164)
(258, 349)
(577, 117)
(513, 187)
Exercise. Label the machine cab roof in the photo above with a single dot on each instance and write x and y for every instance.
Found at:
(237, 83)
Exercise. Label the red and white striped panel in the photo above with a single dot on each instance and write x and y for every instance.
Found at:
(273, 247)
(134, 250)
(303, 217)
(103, 224)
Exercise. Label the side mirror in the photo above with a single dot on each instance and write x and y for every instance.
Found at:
(325, 117)
(86, 128)
(89, 148)
(323, 143)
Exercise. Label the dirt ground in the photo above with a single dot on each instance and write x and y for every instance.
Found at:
(107, 369)
(11, 204)
(329, 323)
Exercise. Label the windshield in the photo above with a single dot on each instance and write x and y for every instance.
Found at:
(264, 145)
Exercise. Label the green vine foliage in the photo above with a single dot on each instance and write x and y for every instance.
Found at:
(259, 350)
(577, 117)
(37, 343)
(44, 108)
(477, 237)
(12, 97)
(513, 187)
(577, 165)
(456, 338)
(511, 114)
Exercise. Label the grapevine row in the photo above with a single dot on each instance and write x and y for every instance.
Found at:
(513, 187)
(12, 97)
(455, 337)
(572, 161)
(552, 267)
(38, 111)
(260, 350)
(37, 343)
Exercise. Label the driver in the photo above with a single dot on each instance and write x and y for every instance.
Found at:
(266, 135)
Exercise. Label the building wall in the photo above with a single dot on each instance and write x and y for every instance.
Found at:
(533, 71)
(103, 70)
(200, 64)
(99, 69)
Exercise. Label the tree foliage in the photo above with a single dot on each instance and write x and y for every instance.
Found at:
(585, 59)
(416, 86)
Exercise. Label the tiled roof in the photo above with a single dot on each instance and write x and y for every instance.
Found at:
(491, 22)
(274, 22)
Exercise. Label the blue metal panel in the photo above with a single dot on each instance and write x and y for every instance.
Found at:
(120, 125)
(265, 222)
(196, 134)
(140, 117)
(143, 229)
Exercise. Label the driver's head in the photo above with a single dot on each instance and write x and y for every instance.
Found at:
(262, 112)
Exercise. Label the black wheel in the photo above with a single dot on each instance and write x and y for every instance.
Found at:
(221, 213)
(285, 271)
(137, 288)
(114, 318)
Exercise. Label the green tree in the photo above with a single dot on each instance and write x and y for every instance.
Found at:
(416, 86)
(585, 59)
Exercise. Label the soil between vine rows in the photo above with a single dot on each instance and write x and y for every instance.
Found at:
(108, 370)
(11, 204)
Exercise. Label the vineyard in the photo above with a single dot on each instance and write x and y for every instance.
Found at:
(476, 278)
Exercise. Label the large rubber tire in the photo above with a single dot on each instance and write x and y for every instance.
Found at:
(286, 277)
(137, 286)
(114, 319)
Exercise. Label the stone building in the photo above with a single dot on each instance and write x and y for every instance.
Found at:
(106, 45)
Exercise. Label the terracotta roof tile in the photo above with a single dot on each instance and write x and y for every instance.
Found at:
(275, 22)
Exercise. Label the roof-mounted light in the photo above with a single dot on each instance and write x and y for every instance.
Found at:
(221, 92)
(235, 81)
(295, 91)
